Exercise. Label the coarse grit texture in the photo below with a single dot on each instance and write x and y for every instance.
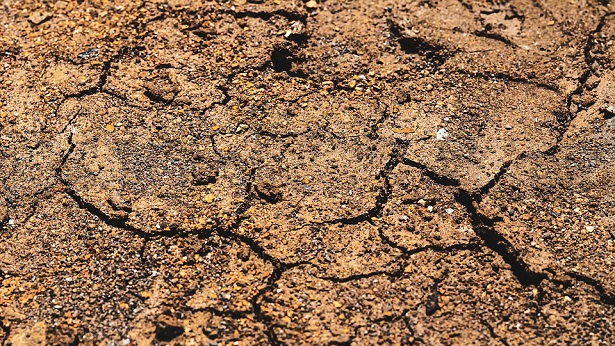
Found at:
(323, 172)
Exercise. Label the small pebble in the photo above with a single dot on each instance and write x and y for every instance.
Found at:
(311, 4)
(547, 235)
(508, 127)
(441, 134)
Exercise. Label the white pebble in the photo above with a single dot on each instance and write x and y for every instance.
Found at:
(441, 134)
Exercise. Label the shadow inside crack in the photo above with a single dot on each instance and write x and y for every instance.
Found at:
(283, 59)
(484, 228)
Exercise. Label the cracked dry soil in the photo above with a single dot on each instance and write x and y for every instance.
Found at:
(323, 172)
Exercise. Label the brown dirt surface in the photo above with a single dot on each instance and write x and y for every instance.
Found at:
(293, 172)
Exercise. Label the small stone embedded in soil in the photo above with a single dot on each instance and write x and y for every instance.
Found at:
(38, 18)
(311, 4)
(442, 134)
(508, 127)
(91, 53)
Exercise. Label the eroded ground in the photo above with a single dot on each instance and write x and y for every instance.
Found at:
(321, 172)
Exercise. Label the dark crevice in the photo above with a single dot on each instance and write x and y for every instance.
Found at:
(399, 271)
(226, 97)
(102, 80)
(440, 179)
(605, 297)
(234, 314)
(269, 134)
(567, 119)
(101, 215)
(466, 5)
(214, 147)
(498, 175)
(385, 192)
(492, 332)
(92, 209)
(90, 91)
(205, 34)
(253, 245)
(484, 228)
(256, 300)
(607, 112)
(386, 114)
(282, 60)
(7, 331)
(110, 221)
(71, 120)
(432, 303)
(157, 98)
(434, 53)
(271, 198)
(495, 36)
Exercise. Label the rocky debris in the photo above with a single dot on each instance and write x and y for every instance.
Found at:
(38, 18)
